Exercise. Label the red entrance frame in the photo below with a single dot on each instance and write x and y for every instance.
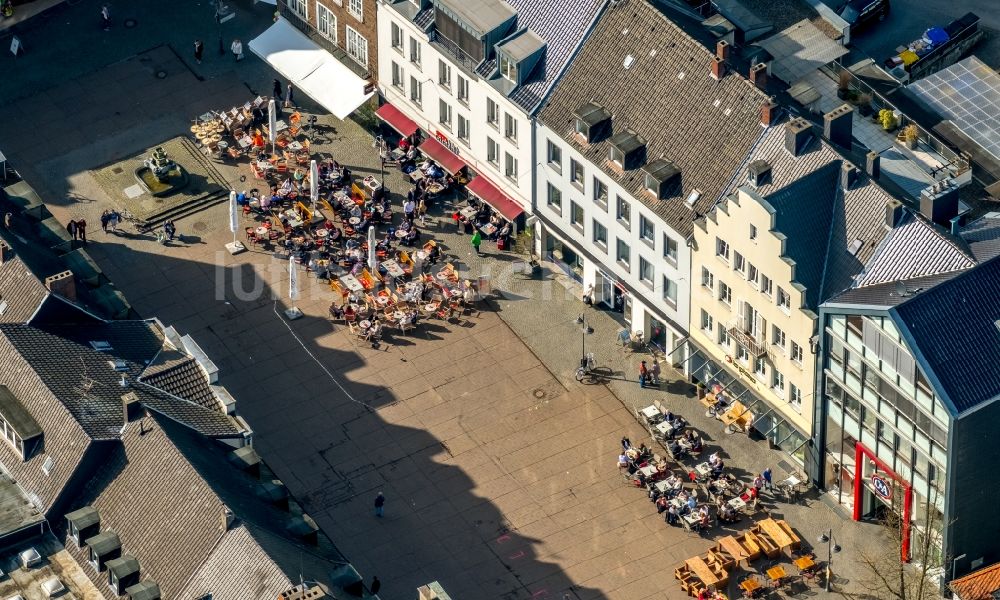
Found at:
(861, 453)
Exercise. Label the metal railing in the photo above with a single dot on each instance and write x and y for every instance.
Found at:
(460, 56)
(757, 347)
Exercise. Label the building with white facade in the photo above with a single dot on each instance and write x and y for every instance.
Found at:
(472, 74)
(640, 138)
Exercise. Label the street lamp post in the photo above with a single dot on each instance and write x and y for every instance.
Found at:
(585, 329)
(831, 547)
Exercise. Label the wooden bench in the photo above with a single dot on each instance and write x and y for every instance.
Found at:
(749, 544)
(796, 541)
(766, 544)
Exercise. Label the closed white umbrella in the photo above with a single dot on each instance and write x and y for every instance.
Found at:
(293, 279)
(234, 247)
(372, 263)
(314, 183)
(272, 123)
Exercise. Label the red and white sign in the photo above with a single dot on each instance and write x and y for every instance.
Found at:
(882, 487)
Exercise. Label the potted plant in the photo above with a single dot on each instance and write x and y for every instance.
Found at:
(887, 119)
(909, 136)
(865, 105)
(844, 84)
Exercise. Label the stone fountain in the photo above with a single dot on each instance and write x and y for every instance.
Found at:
(159, 175)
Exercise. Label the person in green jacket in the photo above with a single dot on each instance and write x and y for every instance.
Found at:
(477, 239)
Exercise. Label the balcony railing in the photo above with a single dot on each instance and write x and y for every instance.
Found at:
(461, 57)
(755, 346)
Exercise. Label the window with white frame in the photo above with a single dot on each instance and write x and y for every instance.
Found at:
(600, 193)
(357, 9)
(760, 367)
(796, 353)
(739, 263)
(397, 76)
(553, 155)
(357, 46)
(299, 7)
(707, 279)
(647, 231)
(416, 91)
(617, 157)
(326, 22)
(444, 114)
(670, 249)
(463, 90)
(723, 338)
(646, 271)
(722, 249)
(414, 50)
(624, 254)
(397, 37)
(576, 173)
(778, 383)
(508, 68)
(492, 152)
(765, 285)
(463, 129)
(670, 291)
(492, 113)
(624, 212)
(753, 232)
(784, 300)
(725, 293)
(554, 198)
(444, 74)
(778, 337)
(707, 322)
(795, 396)
(753, 276)
(576, 215)
(510, 127)
(742, 354)
(510, 167)
(600, 235)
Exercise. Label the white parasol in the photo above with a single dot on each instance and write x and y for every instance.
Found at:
(272, 123)
(293, 280)
(314, 183)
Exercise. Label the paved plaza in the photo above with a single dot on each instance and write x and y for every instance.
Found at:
(498, 468)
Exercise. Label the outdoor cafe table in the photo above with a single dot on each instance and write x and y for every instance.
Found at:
(750, 585)
(804, 563)
(733, 547)
(417, 175)
(702, 571)
(776, 573)
(703, 469)
(468, 212)
(661, 486)
(648, 471)
(776, 533)
(650, 411)
(737, 503)
(488, 229)
(664, 427)
(352, 283)
(392, 268)
(261, 231)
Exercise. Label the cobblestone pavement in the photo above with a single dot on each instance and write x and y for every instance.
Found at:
(498, 466)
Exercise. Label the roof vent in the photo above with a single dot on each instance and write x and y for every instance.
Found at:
(629, 61)
(692, 197)
(101, 346)
(29, 558)
(855, 247)
(48, 465)
(118, 365)
(759, 173)
(53, 587)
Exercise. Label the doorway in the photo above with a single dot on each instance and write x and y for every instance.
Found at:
(604, 289)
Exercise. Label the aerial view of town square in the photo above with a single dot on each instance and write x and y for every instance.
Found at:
(499, 299)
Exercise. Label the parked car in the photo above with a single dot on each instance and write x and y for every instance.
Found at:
(861, 13)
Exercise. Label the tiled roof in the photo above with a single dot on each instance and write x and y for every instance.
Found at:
(978, 585)
(206, 421)
(21, 293)
(704, 126)
(178, 374)
(983, 236)
(563, 24)
(954, 329)
(820, 220)
(887, 295)
(914, 248)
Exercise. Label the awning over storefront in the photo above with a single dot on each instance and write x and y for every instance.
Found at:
(448, 160)
(488, 193)
(397, 120)
(311, 69)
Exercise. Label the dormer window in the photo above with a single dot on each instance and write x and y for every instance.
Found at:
(518, 55)
(104, 547)
(83, 524)
(593, 122)
(508, 68)
(18, 427)
(658, 177)
(628, 150)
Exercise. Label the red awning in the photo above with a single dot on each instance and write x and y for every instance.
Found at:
(488, 193)
(400, 122)
(448, 160)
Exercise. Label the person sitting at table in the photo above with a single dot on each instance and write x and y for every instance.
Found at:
(434, 254)
(345, 174)
(692, 503)
(265, 202)
(661, 505)
(672, 518)
(356, 211)
(411, 237)
(404, 144)
(717, 469)
(714, 459)
(258, 139)
(675, 449)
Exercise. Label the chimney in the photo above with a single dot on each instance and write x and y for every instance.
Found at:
(722, 50)
(6, 252)
(63, 284)
(758, 75)
(769, 113)
(228, 518)
(893, 213)
(848, 176)
(956, 224)
(131, 406)
(718, 68)
(873, 165)
(939, 202)
(798, 132)
(837, 126)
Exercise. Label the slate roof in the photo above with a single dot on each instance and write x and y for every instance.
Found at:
(20, 291)
(978, 585)
(179, 374)
(886, 295)
(703, 125)
(165, 490)
(206, 421)
(953, 329)
(915, 248)
(983, 236)
(820, 220)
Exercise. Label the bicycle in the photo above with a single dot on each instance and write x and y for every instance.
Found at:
(138, 224)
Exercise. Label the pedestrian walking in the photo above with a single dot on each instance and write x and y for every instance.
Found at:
(237, 49)
(7, 218)
(379, 505)
(276, 90)
(626, 443)
(654, 372)
(767, 479)
(105, 219)
(81, 228)
(71, 228)
(422, 212)
(113, 221)
(106, 17)
(290, 98)
(199, 51)
(643, 374)
(477, 239)
(376, 585)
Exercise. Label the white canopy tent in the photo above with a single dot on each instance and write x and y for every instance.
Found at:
(311, 69)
